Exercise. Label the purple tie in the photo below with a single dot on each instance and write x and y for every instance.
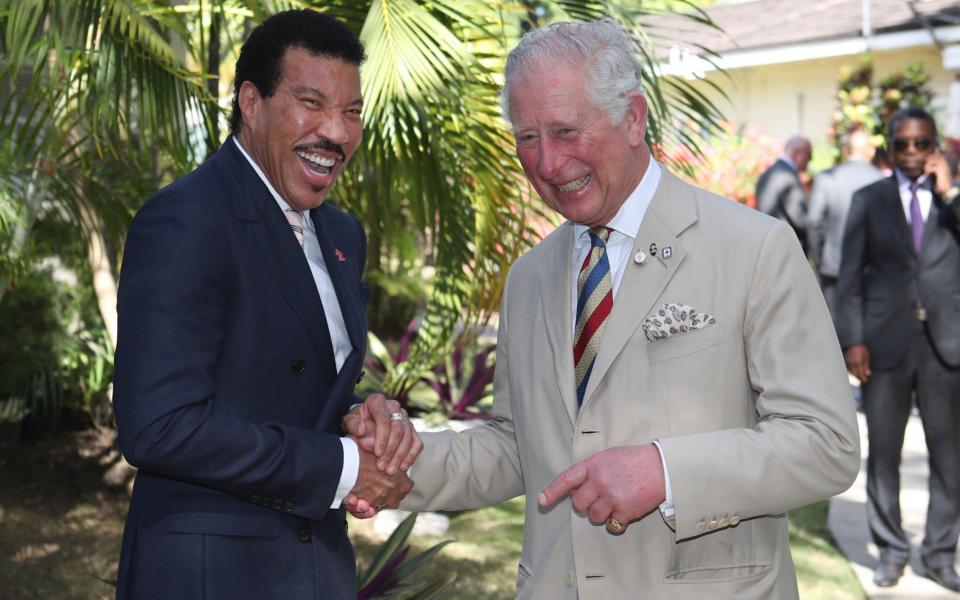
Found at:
(916, 219)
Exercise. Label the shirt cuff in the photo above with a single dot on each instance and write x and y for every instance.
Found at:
(666, 508)
(351, 468)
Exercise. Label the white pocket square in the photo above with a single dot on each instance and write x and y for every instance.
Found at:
(673, 319)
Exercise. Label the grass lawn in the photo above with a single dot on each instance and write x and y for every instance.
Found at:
(487, 549)
(60, 533)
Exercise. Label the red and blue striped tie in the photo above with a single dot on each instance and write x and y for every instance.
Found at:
(594, 301)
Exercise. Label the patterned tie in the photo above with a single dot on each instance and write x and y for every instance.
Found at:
(916, 217)
(594, 301)
(295, 218)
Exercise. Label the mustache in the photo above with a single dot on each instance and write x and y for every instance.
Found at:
(323, 145)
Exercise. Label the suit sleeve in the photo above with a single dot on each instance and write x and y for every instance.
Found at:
(853, 262)
(805, 445)
(816, 216)
(174, 303)
(477, 467)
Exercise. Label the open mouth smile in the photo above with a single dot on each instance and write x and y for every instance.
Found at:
(575, 185)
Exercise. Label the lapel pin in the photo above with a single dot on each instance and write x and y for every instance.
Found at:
(340, 255)
(653, 249)
(639, 258)
(667, 252)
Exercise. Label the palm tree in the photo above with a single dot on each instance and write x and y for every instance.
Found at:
(102, 99)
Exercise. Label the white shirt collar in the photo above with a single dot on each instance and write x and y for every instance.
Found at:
(904, 182)
(628, 218)
(276, 196)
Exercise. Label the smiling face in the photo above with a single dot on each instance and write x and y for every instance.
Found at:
(913, 142)
(303, 135)
(583, 167)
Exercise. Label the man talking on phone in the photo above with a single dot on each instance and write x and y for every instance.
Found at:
(898, 297)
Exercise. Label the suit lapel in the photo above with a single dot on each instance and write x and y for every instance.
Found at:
(672, 210)
(893, 206)
(274, 245)
(350, 304)
(554, 291)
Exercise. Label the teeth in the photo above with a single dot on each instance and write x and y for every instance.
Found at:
(574, 185)
(317, 159)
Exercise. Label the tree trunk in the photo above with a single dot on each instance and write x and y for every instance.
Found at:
(101, 269)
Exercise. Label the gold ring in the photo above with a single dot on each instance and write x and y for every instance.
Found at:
(614, 526)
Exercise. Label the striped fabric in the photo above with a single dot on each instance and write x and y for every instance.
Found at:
(594, 301)
(295, 218)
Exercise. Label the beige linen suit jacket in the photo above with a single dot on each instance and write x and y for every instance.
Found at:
(753, 412)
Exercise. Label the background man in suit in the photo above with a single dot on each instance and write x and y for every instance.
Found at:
(671, 345)
(242, 334)
(829, 204)
(899, 324)
(780, 193)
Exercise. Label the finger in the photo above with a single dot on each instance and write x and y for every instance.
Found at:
(563, 484)
(398, 430)
(583, 497)
(353, 424)
(415, 448)
(366, 443)
(621, 519)
(400, 454)
(600, 511)
(377, 408)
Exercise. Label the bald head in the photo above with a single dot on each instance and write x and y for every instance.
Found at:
(859, 146)
(799, 150)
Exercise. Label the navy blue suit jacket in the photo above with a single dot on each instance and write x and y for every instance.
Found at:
(227, 396)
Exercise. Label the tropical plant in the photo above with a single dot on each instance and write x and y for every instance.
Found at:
(863, 104)
(730, 163)
(102, 100)
(391, 573)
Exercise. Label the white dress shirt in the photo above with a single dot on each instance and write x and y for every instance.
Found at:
(624, 225)
(335, 324)
(924, 195)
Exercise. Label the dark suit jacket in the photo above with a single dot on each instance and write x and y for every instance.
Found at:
(780, 194)
(227, 396)
(882, 277)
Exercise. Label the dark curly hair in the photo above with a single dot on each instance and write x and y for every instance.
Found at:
(262, 54)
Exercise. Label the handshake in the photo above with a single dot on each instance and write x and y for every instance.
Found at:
(388, 445)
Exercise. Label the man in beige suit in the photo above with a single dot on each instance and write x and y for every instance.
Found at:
(717, 399)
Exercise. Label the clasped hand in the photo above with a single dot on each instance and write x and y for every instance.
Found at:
(387, 447)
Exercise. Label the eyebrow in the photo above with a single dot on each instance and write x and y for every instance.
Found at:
(306, 89)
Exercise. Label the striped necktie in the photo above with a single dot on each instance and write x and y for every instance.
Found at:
(594, 301)
(295, 218)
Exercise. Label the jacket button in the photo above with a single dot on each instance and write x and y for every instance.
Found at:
(277, 504)
(570, 579)
(304, 534)
(287, 507)
(298, 366)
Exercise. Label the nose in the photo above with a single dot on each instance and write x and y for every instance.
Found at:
(550, 160)
(333, 126)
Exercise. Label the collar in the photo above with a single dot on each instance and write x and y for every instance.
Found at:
(789, 162)
(273, 192)
(628, 218)
(905, 183)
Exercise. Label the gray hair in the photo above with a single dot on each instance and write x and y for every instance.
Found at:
(612, 70)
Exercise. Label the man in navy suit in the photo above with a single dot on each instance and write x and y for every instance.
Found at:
(242, 333)
(898, 302)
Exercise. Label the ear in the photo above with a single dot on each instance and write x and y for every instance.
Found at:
(249, 100)
(636, 118)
